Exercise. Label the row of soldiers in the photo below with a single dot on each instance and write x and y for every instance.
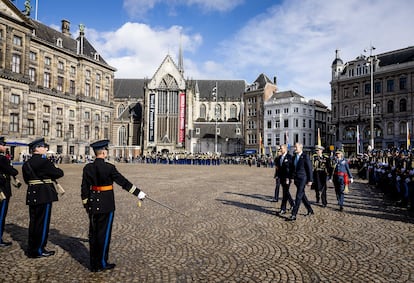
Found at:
(392, 172)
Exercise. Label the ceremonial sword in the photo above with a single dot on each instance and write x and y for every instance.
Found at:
(164, 205)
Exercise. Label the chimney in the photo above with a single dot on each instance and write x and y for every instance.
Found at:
(66, 27)
(275, 80)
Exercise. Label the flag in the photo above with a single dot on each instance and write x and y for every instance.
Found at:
(287, 140)
(357, 140)
(408, 137)
(319, 137)
(261, 147)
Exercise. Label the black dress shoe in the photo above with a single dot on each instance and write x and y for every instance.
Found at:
(46, 253)
(5, 244)
(310, 213)
(109, 266)
(341, 208)
(291, 218)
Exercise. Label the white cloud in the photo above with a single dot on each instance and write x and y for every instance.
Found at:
(136, 50)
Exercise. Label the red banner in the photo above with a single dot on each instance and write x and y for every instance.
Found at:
(181, 134)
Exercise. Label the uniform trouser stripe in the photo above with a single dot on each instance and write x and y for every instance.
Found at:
(45, 226)
(3, 212)
(107, 238)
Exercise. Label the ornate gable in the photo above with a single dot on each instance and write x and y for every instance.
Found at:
(167, 76)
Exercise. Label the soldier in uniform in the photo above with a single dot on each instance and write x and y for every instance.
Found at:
(341, 176)
(39, 173)
(321, 171)
(6, 170)
(99, 201)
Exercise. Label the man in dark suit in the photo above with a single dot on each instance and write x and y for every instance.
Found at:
(302, 176)
(283, 173)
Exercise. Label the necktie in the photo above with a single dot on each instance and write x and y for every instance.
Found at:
(296, 160)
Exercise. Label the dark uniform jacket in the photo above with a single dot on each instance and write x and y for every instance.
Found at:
(322, 169)
(6, 170)
(39, 177)
(102, 174)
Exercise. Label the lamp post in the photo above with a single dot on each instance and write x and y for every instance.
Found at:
(215, 94)
(371, 64)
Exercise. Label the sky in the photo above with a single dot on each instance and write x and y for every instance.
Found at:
(293, 40)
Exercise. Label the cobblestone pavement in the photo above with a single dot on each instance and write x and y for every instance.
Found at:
(231, 234)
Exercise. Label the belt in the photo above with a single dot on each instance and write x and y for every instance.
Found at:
(40, 182)
(320, 169)
(102, 188)
(340, 173)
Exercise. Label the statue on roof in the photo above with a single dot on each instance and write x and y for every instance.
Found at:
(27, 8)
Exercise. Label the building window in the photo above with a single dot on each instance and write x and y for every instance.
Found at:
(202, 111)
(106, 133)
(296, 123)
(277, 139)
(122, 136)
(310, 124)
(304, 138)
(46, 80)
(377, 87)
(96, 133)
(86, 132)
(59, 86)
(121, 110)
(16, 63)
(106, 118)
(31, 127)
(403, 83)
(286, 123)
(87, 115)
(72, 113)
(390, 106)
(88, 74)
(286, 110)
(32, 74)
(15, 98)
(17, 40)
(48, 61)
(238, 131)
(32, 56)
(269, 124)
(14, 122)
(97, 92)
(87, 89)
(304, 123)
(403, 128)
(97, 117)
(197, 131)
(390, 85)
(71, 130)
(403, 105)
(98, 77)
(355, 91)
(45, 128)
(46, 109)
(59, 130)
(59, 111)
(32, 106)
(277, 124)
(106, 95)
(390, 128)
(367, 88)
(61, 66)
(233, 111)
(72, 87)
(72, 70)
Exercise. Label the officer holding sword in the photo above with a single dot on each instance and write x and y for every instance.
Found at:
(99, 201)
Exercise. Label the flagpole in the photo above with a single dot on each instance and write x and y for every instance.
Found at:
(215, 114)
(357, 139)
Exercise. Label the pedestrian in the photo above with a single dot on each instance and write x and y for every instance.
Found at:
(302, 177)
(321, 171)
(284, 174)
(341, 177)
(6, 172)
(276, 177)
(99, 201)
(39, 173)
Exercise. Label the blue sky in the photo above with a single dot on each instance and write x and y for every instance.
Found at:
(294, 40)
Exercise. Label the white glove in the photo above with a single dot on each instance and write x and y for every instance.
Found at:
(141, 195)
(352, 180)
(330, 180)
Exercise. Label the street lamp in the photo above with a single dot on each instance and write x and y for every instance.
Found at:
(215, 94)
(371, 61)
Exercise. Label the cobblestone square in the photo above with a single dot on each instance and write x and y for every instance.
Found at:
(231, 234)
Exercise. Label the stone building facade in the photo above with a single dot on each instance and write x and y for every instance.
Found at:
(52, 85)
(392, 95)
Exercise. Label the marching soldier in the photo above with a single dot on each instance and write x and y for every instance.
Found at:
(40, 173)
(99, 201)
(6, 170)
(341, 176)
(321, 170)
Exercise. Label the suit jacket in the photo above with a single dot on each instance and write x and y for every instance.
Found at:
(283, 171)
(6, 170)
(302, 170)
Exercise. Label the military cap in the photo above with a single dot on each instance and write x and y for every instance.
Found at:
(102, 144)
(339, 151)
(37, 143)
(2, 141)
(317, 147)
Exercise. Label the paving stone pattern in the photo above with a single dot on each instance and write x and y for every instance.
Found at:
(231, 234)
